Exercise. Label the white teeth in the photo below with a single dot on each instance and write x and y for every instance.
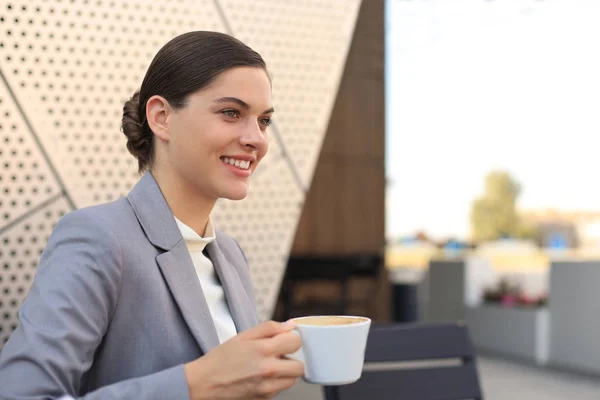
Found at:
(236, 163)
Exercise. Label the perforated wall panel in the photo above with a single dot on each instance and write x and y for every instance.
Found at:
(72, 65)
(25, 178)
(66, 68)
(305, 43)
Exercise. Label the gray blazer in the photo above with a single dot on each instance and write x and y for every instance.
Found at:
(116, 307)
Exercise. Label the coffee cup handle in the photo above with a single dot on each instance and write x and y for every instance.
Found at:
(298, 354)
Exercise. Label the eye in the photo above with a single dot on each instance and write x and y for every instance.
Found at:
(231, 113)
(265, 122)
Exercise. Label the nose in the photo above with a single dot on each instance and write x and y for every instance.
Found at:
(254, 137)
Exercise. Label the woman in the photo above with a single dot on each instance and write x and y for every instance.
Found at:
(141, 298)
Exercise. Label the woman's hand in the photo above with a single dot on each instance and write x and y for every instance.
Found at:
(248, 366)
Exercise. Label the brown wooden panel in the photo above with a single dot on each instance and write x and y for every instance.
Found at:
(361, 208)
(344, 209)
(325, 216)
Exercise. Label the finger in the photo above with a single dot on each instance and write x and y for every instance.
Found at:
(282, 344)
(286, 368)
(266, 330)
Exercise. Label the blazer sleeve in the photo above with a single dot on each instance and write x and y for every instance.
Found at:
(65, 316)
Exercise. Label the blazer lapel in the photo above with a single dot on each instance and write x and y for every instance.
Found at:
(240, 305)
(178, 270)
(175, 263)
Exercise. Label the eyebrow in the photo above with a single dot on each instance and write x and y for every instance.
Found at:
(240, 103)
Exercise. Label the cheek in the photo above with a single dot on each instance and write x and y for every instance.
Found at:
(186, 148)
(196, 143)
(265, 149)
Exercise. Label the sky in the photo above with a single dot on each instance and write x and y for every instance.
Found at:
(476, 85)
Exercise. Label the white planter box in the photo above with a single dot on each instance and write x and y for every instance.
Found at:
(517, 332)
(575, 309)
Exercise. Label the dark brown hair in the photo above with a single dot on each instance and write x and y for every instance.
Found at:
(184, 65)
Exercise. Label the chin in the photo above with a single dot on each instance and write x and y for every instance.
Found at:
(237, 196)
(240, 194)
(232, 190)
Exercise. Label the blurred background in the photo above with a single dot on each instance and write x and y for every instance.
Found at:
(431, 161)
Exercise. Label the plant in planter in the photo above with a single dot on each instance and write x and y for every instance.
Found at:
(510, 295)
(532, 301)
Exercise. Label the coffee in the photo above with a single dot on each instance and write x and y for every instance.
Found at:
(328, 320)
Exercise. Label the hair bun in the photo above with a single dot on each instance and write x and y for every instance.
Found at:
(139, 141)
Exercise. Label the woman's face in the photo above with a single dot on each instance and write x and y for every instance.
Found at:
(217, 140)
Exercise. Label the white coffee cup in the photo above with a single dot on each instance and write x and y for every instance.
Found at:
(333, 348)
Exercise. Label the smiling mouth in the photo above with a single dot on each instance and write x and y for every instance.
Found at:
(240, 164)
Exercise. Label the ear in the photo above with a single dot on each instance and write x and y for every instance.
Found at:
(157, 112)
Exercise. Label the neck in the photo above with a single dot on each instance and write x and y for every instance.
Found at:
(186, 203)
